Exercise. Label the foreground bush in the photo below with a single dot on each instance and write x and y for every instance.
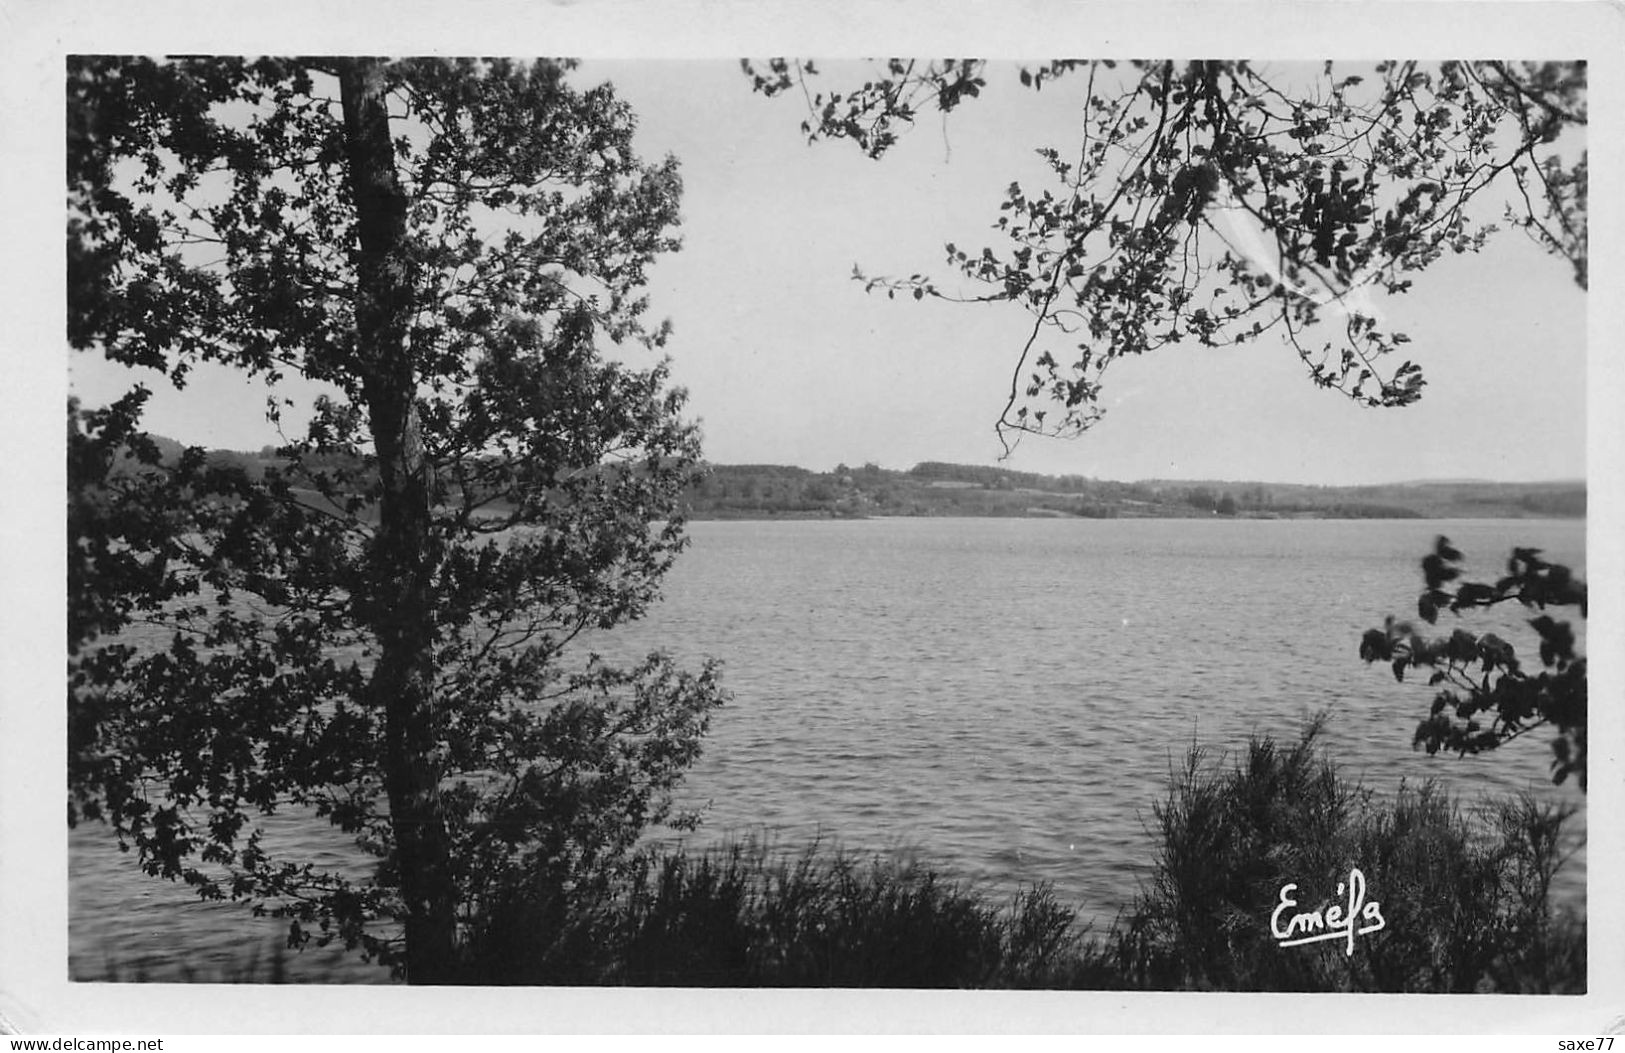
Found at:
(741, 916)
(1464, 898)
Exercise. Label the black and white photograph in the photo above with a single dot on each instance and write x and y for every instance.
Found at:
(790, 516)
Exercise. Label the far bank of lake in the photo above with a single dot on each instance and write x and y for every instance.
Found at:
(936, 489)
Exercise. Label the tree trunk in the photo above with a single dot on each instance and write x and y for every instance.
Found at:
(401, 608)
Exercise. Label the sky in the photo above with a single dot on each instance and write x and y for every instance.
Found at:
(788, 361)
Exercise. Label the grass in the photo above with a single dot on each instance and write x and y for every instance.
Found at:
(251, 970)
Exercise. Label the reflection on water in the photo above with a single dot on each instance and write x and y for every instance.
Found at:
(1002, 698)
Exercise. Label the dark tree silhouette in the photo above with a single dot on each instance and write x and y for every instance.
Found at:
(377, 629)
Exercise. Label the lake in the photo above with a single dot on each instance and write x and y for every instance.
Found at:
(1001, 698)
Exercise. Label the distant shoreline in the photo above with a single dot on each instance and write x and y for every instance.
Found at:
(817, 517)
(938, 489)
(935, 489)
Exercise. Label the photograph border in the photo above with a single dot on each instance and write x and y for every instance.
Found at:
(35, 992)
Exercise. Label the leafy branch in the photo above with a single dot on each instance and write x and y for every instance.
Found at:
(1319, 191)
(1488, 697)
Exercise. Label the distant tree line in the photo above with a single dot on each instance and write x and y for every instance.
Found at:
(935, 488)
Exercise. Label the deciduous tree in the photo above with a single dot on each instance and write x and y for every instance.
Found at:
(385, 629)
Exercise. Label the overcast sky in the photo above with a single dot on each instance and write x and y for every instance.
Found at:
(789, 361)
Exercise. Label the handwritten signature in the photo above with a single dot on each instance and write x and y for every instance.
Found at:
(1335, 922)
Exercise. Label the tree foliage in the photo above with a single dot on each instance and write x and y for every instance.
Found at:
(1479, 676)
(385, 627)
(1221, 201)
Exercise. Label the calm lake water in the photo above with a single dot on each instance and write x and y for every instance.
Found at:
(1002, 698)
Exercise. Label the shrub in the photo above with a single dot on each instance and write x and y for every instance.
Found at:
(743, 916)
(1465, 903)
